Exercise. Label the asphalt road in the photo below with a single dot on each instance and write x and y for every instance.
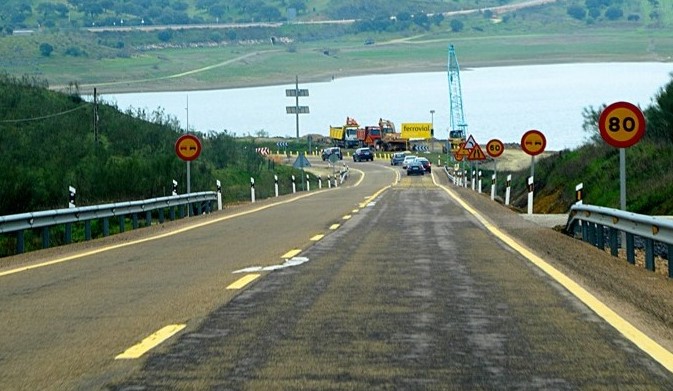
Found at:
(408, 292)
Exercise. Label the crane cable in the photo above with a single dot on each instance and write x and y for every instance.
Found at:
(43, 117)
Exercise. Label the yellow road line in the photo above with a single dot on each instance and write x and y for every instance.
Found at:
(291, 253)
(334, 226)
(645, 343)
(150, 342)
(160, 236)
(243, 281)
(317, 237)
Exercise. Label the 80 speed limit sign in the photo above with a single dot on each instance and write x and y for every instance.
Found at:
(622, 124)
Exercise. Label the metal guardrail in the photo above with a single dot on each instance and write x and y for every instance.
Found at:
(182, 204)
(593, 222)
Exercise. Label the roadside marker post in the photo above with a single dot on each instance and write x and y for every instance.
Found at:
(252, 190)
(508, 188)
(493, 187)
(579, 193)
(275, 184)
(530, 195)
(294, 185)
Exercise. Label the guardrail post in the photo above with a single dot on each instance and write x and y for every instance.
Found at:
(630, 253)
(87, 230)
(148, 218)
(122, 224)
(670, 263)
(106, 226)
(21, 243)
(614, 241)
(600, 236)
(134, 220)
(68, 233)
(171, 213)
(649, 254)
(161, 216)
(45, 237)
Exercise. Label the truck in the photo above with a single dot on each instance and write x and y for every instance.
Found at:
(390, 139)
(345, 136)
(370, 136)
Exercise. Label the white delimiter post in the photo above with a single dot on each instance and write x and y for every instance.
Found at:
(492, 187)
(275, 184)
(578, 193)
(474, 180)
(530, 195)
(508, 188)
(252, 189)
(218, 184)
(479, 183)
(319, 182)
(308, 183)
(294, 185)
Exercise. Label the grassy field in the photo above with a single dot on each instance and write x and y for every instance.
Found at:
(240, 66)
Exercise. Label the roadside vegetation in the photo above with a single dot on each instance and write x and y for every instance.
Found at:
(649, 168)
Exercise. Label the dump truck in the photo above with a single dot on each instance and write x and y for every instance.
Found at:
(345, 136)
(370, 136)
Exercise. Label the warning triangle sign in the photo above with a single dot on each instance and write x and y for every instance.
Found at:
(476, 153)
(470, 143)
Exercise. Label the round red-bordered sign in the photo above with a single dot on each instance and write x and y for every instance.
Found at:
(188, 147)
(622, 124)
(533, 142)
(495, 147)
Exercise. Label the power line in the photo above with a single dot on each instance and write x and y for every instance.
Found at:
(43, 117)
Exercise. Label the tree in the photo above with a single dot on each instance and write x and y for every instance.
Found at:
(660, 116)
(46, 49)
(577, 12)
(457, 25)
(614, 13)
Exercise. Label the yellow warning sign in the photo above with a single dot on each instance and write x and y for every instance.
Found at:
(476, 153)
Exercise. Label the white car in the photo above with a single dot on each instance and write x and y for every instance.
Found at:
(408, 159)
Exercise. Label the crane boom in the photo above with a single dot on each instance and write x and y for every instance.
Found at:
(458, 130)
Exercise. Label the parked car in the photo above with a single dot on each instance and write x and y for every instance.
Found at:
(426, 164)
(415, 168)
(408, 159)
(327, 152)
(361, 154)
(397, 158)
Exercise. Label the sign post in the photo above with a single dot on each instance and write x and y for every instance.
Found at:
(494, 148)
(533, 143)
(296, 109)
(622, 125)
(188, 148)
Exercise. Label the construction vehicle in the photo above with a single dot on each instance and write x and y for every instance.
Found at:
(458, 129)
(345, 136)
(390, 139)
(370, 136)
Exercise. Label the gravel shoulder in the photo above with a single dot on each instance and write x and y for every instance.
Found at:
(643, 298)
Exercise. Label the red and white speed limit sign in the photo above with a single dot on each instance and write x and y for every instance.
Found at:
(622, 124)
(495, 148)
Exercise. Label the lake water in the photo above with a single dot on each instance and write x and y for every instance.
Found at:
(498, 102)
